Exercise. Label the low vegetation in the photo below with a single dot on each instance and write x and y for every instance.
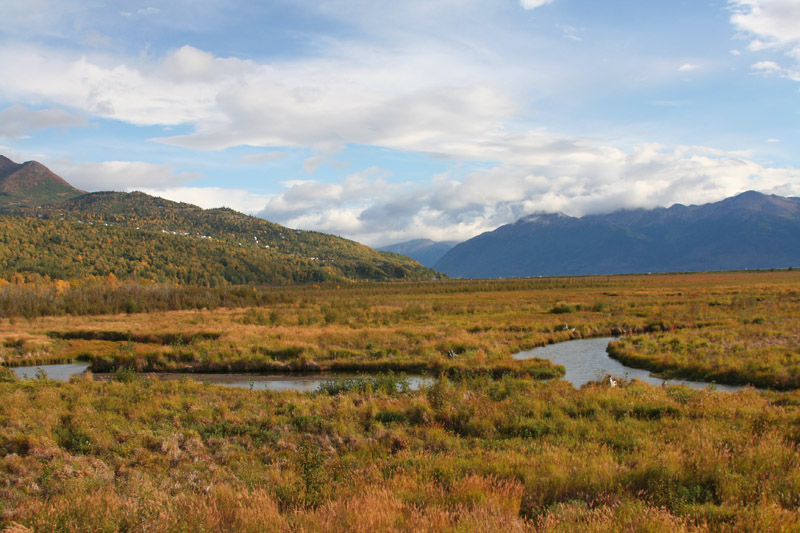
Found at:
(483, 448)
(476, 454)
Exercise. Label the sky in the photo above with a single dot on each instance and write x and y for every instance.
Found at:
(388, 121)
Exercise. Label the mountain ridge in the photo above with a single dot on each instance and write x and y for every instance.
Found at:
(135, 235)
(749, 230)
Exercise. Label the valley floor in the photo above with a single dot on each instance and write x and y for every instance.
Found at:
(493, 445)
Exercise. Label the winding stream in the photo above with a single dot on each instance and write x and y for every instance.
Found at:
(275, 382)
(584, 360)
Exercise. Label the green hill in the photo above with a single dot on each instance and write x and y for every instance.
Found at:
(137, 235)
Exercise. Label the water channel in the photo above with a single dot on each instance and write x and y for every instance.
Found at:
(275, 382)
(584, 360)
(587, 360)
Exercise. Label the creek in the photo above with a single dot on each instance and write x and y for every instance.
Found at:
(587, 360)
(274, 382)
(584, 360)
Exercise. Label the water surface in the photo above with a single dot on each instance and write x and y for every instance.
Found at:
(584, 360)
(274, 382)
(54, 372)
(587, 360)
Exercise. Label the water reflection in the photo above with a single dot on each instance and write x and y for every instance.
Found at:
(584, 360)
(55, 372)
(587, 360)
(275, 382)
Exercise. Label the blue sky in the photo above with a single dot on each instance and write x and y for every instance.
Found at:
(387, 121)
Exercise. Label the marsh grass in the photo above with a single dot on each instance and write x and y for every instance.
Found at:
(484, 448)
(467, 454)
(725, 327)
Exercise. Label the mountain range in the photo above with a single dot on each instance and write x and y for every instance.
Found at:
(747, 231)
(50, 229)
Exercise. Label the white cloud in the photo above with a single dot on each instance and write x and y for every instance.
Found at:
(771, 67)
(191, 64)
(102, 87)
(17, 121)
(775, 21)
(686, 67)
(533, 4)
(771, 25)
(556, 174)
(210, 197)
(292, 183)
(408, 100)
(118, 175)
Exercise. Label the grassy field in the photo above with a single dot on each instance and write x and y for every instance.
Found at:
(488, 449)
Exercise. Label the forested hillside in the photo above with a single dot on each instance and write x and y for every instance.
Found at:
(134, 235)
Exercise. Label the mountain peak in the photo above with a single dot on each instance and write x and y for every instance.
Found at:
(758, 202)
(31, 184)
(750, 230)
(6, 162)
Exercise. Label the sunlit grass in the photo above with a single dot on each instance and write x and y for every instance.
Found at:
(477, 454)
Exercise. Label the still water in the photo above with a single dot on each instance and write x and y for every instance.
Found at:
(584, 360)
(587, 360)
(276, 382)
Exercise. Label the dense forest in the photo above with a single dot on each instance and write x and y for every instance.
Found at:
(137, 236)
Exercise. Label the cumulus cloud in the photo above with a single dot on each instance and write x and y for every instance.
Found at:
(771, 67)
(188, 63)
(408, 100)
(119, 175)
(774, 21)
(553, 177)
(97, 86)
(771, 25)
(17, 120)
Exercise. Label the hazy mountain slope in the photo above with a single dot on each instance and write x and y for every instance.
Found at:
(31, 184)
(134, 234)
(424, 251)
(751, 230)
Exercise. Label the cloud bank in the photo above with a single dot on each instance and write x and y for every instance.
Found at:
(595, 179)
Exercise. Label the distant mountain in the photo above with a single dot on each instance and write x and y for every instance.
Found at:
(424, 251)
(31, 184)
(137, 235)
(751, 230)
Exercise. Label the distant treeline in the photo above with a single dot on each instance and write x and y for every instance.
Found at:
(35, 295)
(110, 296)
